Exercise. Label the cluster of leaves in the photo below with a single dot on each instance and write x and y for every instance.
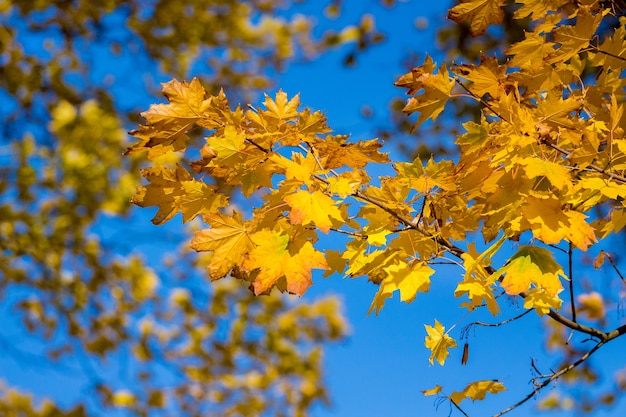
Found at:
(542, 170)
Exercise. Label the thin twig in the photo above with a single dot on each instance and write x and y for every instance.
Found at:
(502, 323)
(480, 100)
(552, 378)
(571, 280)
(610, 258)
(459, 408)
(611, 175)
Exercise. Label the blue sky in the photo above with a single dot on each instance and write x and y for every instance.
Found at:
(382, 367)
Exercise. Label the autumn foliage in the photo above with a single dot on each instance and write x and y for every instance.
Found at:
(542, 171)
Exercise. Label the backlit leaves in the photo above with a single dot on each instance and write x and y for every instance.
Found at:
(539, 175)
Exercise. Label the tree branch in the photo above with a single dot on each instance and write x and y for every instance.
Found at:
(611, 175)
(552, 378)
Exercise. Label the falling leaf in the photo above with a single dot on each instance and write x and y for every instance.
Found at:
(438, 342)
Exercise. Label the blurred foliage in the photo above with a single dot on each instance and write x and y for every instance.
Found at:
(78, 287)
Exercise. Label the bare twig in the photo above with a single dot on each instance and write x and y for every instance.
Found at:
(552, 378)
(571, 280)
(502, 323)
(612, 261)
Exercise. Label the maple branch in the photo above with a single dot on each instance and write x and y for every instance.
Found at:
(554, 377)
(600, 51)
(257, 145)
(571, 281)
(611, 175)
(480, 100)
(610, 258)
(459, 408)
(467, 328)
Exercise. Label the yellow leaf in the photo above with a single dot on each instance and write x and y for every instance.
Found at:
(558, 175)
(338, 152)
(167, 124)
(531, 265)
(551, 222)
(227, 147)
(175, 190)
(343, 185)
(438, 342)
(542, 301)
(409, 279)
(592, 305)
(298, 167)
(486, 78)
(437, 89)
(282, 108)
(433, 391)
(123, 398)
(477, 391)
(315, 207)
(480, 14)
(229, 240)
(272, 257)
(599, 261)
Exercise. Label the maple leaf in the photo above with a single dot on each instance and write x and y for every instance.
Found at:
(573, 39)
(338, 152)
(282, 108)
(592, 305)
(436, 92)
(557, 174)
(477, 283)
(531, 52)
(298, 167)
(487, 78)
(438, 342)
(541, 301)
(315, 207)
(166, 124)
(531, 265)
(228, 239)
(537, 9)
(227, 147)
(480, 14)
(477, 391)
(613, 49)
(433, 391)
(551, 223)
(272, 257)
(408, 279)
(175, 190)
